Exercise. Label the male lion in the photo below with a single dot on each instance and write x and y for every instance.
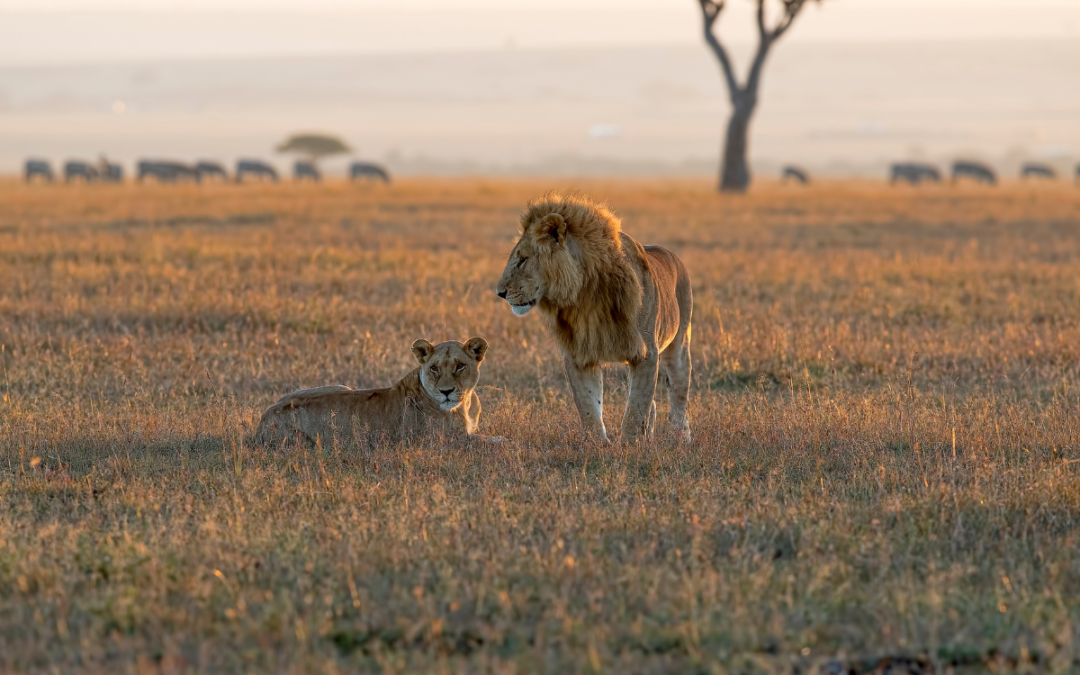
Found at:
(607, 299)
(440, 392)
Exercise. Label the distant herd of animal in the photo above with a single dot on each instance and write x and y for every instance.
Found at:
(915, 173)
(175, 172)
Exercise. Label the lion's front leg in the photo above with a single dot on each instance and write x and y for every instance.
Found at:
(467, 415)
(587, 386)
(640, 409)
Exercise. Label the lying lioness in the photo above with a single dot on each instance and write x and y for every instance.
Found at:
(439, 394)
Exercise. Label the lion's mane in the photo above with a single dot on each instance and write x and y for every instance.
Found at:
(593, 291)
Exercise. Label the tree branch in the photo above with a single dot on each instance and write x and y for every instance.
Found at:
(791, 10)
(768, 37)
(710, 10)
(754, 77)
(763, 32)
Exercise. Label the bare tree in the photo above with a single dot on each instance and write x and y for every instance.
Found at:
(734, 171)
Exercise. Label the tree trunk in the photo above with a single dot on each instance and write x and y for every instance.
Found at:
(735, 171)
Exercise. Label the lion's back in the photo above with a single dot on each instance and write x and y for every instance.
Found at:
(321, 414)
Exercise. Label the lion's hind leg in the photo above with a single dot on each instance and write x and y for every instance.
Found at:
(640, 406)
(676, 366)
(279, 429)
(298, 420)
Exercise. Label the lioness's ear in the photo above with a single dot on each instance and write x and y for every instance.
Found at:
(422, 349)
(555, 227)
(476, 346)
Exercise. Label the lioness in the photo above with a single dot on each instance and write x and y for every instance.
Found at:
(606, 298)
(439, 392)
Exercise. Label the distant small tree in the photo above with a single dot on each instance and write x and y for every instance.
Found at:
(734, 169)
(314, 146)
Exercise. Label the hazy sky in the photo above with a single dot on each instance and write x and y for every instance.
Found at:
(432, 85)
(40, 32)
(447, 4)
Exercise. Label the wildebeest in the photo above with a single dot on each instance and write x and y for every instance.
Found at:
(795, 173)
(254, 167)
(913, 173)
(367, 170)
(302, 170)
(1037, 170)
(206, 170)
(111, 173)
(74, 169)
(38, 168)
(165, 172)
(974, 170)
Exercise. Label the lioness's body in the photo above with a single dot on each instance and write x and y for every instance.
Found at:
(438, 395)
(605, 298)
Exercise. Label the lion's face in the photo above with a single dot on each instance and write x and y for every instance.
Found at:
(522, 284)
(541, 266)
(449, 371)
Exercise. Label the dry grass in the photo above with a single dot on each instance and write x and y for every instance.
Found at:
(886, 463)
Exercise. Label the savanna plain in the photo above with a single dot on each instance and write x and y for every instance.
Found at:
(884, 474)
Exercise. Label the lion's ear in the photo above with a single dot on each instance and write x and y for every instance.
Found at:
(422, 349)
(477, 347)
(554, 226)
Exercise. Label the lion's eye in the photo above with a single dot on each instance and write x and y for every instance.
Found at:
(434, 370)
(460, 367)
(521, 262)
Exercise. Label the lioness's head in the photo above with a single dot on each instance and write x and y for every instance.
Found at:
(449, 371)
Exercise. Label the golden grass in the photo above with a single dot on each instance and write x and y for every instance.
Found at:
(886, 463)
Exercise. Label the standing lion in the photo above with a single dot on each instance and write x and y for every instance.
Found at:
(606, 298)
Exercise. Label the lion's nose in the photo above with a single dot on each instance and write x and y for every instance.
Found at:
(447, 392)
(501, 294)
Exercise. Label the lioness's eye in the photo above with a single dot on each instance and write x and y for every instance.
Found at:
(460, 367)
(435, 370)
(521, 262)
